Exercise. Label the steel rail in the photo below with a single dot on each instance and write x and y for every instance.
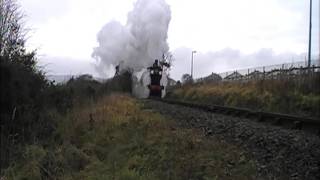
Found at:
(288, 120)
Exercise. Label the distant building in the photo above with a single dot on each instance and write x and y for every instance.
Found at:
(273, 73)
(255, 75)
(213, 77)
(234, 76)
(171, 82)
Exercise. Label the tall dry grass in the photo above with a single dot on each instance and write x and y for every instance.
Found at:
(281, 95)
(117, 138)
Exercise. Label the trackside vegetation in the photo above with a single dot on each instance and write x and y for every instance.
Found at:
(117, 138)
(297, 97)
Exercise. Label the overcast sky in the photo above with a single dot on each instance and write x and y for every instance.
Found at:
(227, 34)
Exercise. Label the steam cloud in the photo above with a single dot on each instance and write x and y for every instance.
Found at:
(138, 43)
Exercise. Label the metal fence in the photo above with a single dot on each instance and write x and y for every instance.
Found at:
(266, 72)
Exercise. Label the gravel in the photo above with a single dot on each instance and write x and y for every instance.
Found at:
(279, 152)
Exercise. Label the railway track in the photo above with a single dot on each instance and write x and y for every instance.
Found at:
(279, 153)
(307, 124)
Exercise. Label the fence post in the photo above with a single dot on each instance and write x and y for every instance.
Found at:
(313, 68)
(282, 72)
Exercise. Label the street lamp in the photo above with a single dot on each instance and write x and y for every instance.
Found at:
(193, 52)
(310, 26)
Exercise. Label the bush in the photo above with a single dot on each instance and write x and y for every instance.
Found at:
(21, 102)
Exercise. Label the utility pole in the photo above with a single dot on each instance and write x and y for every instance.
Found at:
(193, 52)
(310, 27)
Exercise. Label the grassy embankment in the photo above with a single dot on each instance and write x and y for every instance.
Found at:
(115, 138)
(284, 96)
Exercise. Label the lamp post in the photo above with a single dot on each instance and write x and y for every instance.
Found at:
(310, 27)
(193, 52)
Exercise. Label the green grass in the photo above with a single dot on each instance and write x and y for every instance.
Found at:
(121, 140)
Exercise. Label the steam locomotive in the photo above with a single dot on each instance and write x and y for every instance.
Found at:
(155, 87)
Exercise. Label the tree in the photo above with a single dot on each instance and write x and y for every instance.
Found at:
(186, 79)
(12, 33)
(22, 97)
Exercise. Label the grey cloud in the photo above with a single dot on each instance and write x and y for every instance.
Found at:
(39, 11)
(67, 66)
(225, 60)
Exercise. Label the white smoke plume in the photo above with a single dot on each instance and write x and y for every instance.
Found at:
(139, 42)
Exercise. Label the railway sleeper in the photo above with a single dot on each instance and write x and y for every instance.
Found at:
(277, 121)
(228, 112)
(261, 118)
(297, 125)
